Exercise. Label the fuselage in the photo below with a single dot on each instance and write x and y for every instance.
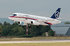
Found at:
(38, 20)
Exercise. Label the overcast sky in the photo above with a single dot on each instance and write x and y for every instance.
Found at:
(36, 7)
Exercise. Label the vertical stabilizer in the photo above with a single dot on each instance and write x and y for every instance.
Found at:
(56, 14)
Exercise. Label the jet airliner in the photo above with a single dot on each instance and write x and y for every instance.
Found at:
(25, 19)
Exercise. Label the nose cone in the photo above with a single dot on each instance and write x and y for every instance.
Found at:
(9, 17)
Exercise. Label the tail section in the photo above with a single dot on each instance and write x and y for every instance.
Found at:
(56, 14)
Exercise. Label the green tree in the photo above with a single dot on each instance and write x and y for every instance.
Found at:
(1, 24)
(51, 33)
(6, 23)
(67, 22)
(17, 31)
(6, 30)
(38, 30)
(0, 30)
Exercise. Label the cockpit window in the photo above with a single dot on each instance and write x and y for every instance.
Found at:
(14, 14)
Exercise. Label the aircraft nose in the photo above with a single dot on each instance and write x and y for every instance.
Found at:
(9, 17)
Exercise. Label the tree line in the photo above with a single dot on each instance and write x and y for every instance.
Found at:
(16, 30)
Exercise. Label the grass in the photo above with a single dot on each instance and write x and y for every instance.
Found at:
(38, 44)
(31, 39)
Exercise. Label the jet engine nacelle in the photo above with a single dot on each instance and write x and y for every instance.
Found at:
(32, 22)
(35, 22)
(19, 22)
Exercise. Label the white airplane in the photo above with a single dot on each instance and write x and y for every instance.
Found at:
(25, 19)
